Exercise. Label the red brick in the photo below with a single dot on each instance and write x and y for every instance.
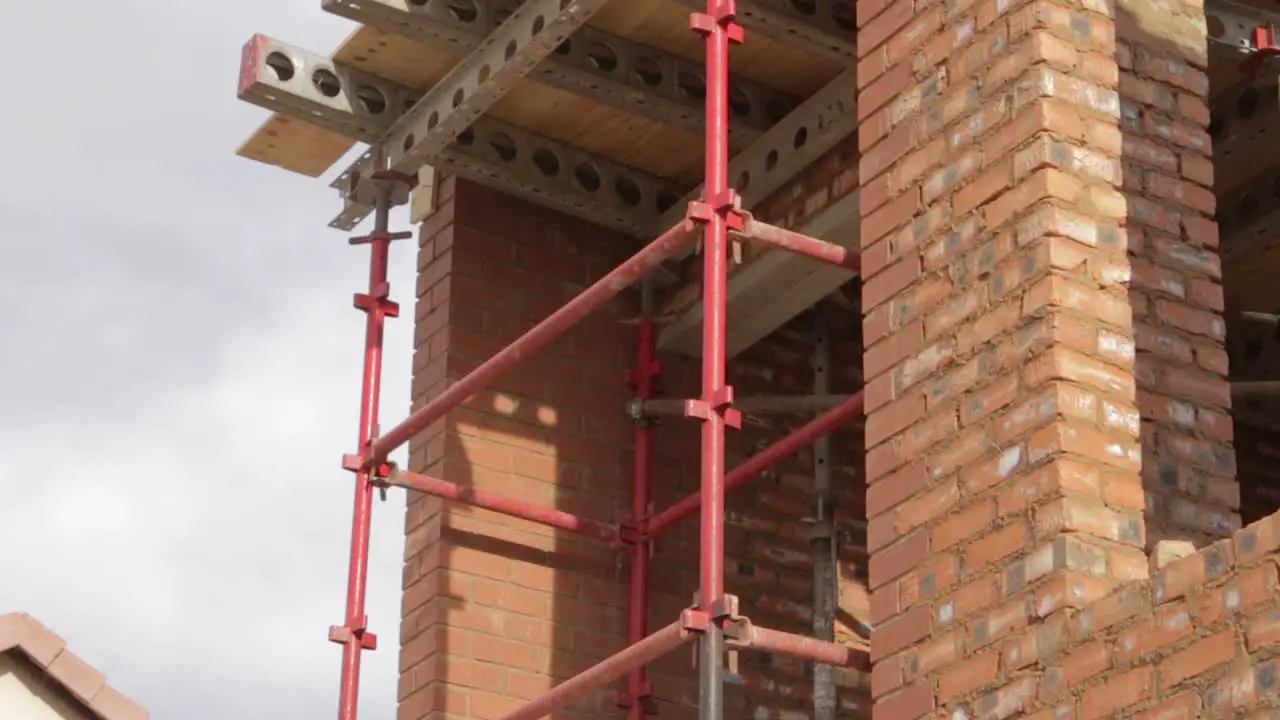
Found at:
(900, 632)
(1083, 663)
(930, 580)
(894, 418)
(1118, 693)
(996, 545)
(969, 521)
(1258, 539)
(884, 26)
(982, 403)
(898, 559)
(891, 490)
(1246, 590)
(1263, 630)
(959, 452)
(990, 183)
(998, 624)
(881, 149)
(1169, 625)
(915, 701)
(939, 651)
(967, 676)
(1181, 707)
(1200, 657)
(927, 506)
(893, 280)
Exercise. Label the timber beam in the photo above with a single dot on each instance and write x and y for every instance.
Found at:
(778, 286)
(283, 78)
(592, 63)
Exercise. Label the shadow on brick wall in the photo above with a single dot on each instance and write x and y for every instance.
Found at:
(1188, 460)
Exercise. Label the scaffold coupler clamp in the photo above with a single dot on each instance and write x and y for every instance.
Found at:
(1265, 47)
(344, 635)
(725, 614)
(380, 478)
(632, 532)
(721, 402)
(379, 473)
(635, 411)
(729, 203)
(723, 14)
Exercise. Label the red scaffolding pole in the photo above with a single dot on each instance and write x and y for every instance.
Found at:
(636, 698)
(715, 621)
(353, 634)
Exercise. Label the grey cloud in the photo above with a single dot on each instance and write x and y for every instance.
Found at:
(180, 367)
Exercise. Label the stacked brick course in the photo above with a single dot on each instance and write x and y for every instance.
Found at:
(1042, 316)
(497, 610)
(1196, 640)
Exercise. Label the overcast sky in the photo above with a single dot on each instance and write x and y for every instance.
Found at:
(180, 366)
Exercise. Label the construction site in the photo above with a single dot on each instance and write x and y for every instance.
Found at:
(785, 359)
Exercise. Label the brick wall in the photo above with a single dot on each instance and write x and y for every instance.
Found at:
(1197, 639)
(1042, 317)
(497, 610)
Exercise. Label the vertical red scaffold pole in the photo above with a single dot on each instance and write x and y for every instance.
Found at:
(353, 635)
(718, 28)
(636, 697)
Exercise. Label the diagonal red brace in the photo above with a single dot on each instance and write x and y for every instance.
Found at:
(600, 292)
(764, 460)
(604, 672)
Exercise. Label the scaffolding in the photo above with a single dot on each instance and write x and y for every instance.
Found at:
(716, 220)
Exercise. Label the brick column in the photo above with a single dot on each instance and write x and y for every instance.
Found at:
(1042, 315)
(497, 610)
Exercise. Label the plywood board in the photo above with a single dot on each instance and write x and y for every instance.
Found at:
(665, 25)
(295, 146)
(641, 143)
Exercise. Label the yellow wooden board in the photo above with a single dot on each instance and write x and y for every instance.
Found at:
(641, 143)
(295, 146)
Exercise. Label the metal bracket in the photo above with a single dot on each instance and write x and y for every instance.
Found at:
(819, 27)
(795, 142)
(483, 77)
(721, 402)
(342, 635)
(489, 152)
(591, 63)
(1244, 29)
